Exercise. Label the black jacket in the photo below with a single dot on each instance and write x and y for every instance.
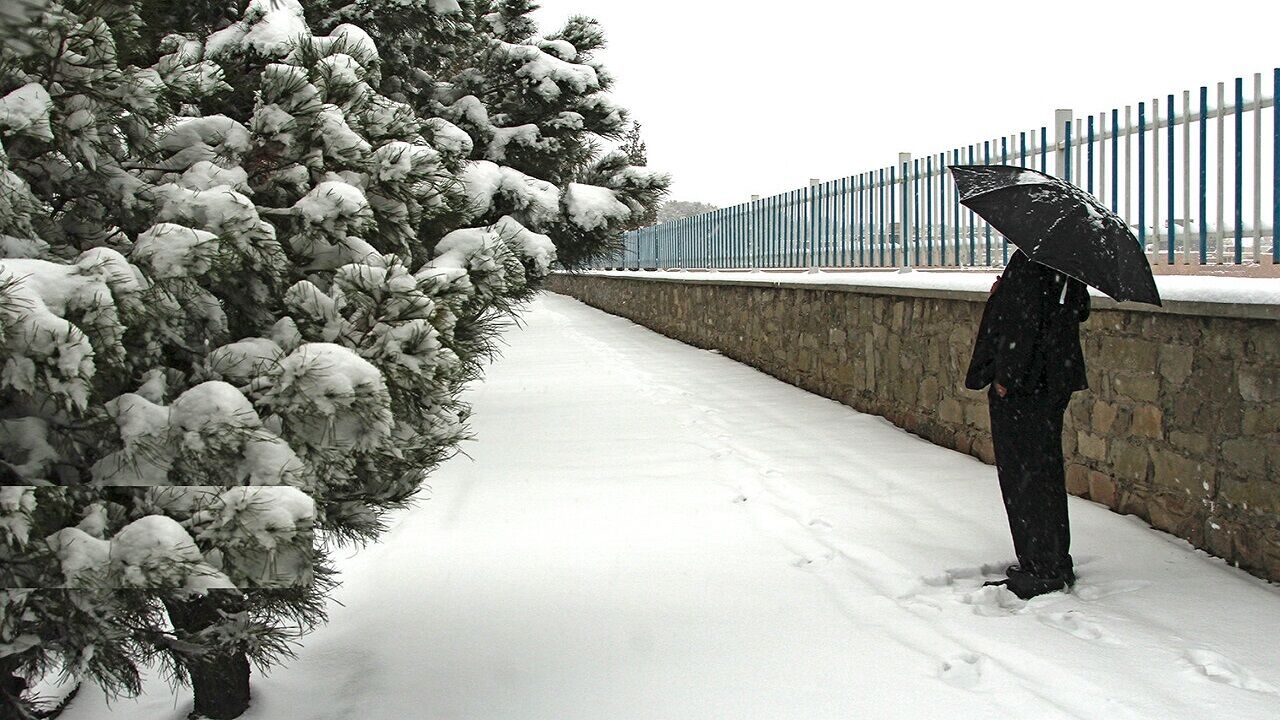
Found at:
(1029, 338)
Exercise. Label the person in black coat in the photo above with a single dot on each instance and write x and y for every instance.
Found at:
(1028, 354)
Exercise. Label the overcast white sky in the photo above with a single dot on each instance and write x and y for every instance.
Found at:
(739, 97)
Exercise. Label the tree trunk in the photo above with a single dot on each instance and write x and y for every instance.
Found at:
(220, 677)
(12, 686)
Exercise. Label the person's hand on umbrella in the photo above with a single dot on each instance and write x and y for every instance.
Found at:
(1000, 389)
(995, 285)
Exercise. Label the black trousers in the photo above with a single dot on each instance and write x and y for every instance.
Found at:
(1026, 431)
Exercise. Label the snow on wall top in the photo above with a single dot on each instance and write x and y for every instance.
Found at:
(1175, 288)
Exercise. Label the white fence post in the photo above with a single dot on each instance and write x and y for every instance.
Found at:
(753, 230)
(810, 237)
(1060, 119)
(904, 162)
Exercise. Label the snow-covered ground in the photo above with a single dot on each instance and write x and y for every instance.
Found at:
(648, 530)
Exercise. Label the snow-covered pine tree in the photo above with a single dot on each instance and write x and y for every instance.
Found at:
(633, 145)
(219, 331)
(539, 112)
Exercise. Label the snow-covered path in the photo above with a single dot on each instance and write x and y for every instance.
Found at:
(648, 530)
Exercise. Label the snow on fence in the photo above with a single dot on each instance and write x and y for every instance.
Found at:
(1183, 172)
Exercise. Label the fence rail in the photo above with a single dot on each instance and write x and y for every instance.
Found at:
(1198, 192)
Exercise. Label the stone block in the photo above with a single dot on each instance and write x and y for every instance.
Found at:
(1219, 536)
(1131, 354)
(1130, 502)
(1259, 383)
(1194, 442)
(1143, 388)
(1224, 342)
(1264, 341)
(1147, 422)
(1174, 513)
(930, 392)
(1069, 442)
(1254, 547)
(1261, 420)
(1248, 455)
(1176, 471)
(1102, 488)
(977, 415)
(1103, 416)
(1175, 363)
(1092, 446)
(1256, 495)
(1077, 479)
(1130, 462)
(983, 449)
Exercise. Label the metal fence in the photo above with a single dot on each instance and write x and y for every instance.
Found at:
(1181, 170)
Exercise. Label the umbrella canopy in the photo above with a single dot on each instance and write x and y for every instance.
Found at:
(1058, 224)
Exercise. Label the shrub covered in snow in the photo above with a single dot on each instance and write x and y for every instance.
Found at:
(247, 263)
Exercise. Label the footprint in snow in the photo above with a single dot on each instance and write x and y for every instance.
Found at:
(1221, 670)
(819, 524)
(1097, 591)
(971, 576)
(963, 671)
(805, 562)
(994, 601)
(1076, 623)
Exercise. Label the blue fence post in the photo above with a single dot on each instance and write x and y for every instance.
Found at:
(1239, 170)
(825, 197)
(775, 232)
(845, 199)
(1275, 168)
(865, 235)
(1089, 152)
(1173, 232)
(757, 231)
(973, 227)
(1115, 159)
(1066, 159)
(703, 238)
(986, 227)
(956, 206)
(880, 217)
(833, 222)
(893, 215)
(1204, 174)
(811, 205)
(740, 235)
(796, 227)
(730, 245)
(833, 225)
(915, 209)
(942, 208)
(1044, 148)
(928, 210)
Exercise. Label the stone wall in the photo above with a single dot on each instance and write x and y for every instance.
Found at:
(1181, 425)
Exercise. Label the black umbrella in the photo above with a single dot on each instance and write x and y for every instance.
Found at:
(1058, 224)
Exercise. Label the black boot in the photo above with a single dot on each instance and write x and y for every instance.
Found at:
(1027, 585)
